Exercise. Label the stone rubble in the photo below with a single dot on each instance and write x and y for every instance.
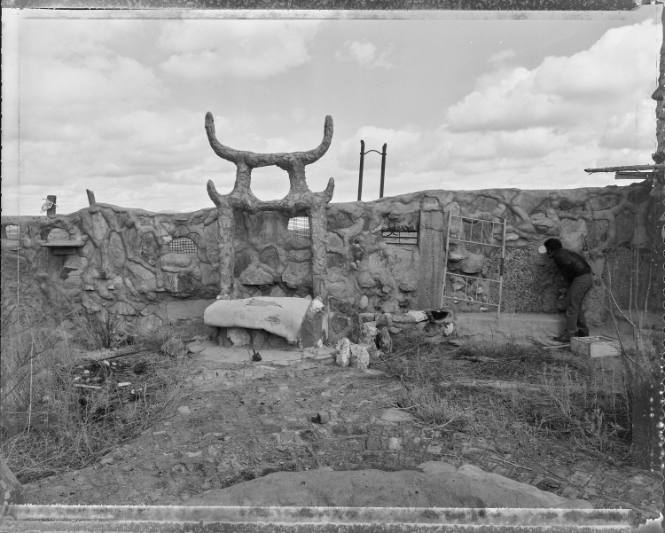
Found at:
(359, 356)
(343, 357)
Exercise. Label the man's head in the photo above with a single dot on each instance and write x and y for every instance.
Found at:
(552, 244)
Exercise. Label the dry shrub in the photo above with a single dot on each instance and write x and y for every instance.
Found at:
(165, 340)
(415, 362)
(102, 330)
(584, 409)
(432, 407)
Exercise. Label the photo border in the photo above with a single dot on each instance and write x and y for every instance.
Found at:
(380, 9)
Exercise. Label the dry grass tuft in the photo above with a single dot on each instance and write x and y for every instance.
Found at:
(69, 426)
(558, 401)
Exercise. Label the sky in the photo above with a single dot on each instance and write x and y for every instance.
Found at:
(115, 102)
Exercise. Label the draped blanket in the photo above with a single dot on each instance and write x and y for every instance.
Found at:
(280, 316)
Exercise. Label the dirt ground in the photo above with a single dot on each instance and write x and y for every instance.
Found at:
(242, 420)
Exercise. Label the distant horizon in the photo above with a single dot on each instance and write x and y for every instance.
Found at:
(115, 102)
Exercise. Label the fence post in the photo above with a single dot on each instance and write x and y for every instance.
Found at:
(91, 197)
(360, 172)
(383, 168)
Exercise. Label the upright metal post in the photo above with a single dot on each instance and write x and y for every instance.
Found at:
(383, 169)
(360, 172)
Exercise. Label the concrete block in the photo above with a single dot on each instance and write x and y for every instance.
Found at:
(594, 347)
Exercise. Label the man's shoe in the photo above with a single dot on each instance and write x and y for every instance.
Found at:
(564, 339)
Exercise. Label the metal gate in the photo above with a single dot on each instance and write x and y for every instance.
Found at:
(470, 239)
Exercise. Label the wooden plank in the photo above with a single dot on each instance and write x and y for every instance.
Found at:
(431, 248)
(625, 167)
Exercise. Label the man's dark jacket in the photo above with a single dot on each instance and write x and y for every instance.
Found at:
(570, 264)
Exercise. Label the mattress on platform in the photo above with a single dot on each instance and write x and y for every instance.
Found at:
(280, 316)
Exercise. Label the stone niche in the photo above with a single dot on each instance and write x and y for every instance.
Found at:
(272, 259)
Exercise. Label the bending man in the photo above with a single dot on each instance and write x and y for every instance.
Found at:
(577, 272)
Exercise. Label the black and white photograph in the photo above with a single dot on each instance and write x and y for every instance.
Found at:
(332, 270)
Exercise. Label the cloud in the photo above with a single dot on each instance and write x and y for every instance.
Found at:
(78, 62)
(55, 83)
(633, 129)
(246, 49)
(502, 57)
(564, 91)
(365, 54)
(77, 74)
(540, 127)
(127, 159)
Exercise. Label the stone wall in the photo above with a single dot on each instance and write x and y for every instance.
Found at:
(129, 263)
(614, 227)
(151, 269)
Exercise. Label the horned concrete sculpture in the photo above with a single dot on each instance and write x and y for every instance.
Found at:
(299, 200)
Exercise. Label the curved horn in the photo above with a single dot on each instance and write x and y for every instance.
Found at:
(328, 191)
(212, 193)
(221, 150)
(261, 160)
(316, 154)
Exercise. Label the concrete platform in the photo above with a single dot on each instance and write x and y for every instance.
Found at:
(210, 352)
(515, 328)
(536, 328)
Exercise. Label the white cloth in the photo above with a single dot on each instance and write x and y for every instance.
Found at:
(280, 316)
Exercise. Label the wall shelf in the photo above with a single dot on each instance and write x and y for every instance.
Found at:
(63, 244)
(63, 247)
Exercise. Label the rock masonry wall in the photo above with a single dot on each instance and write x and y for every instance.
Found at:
(137, 265)
(614, 227)
(271, 260)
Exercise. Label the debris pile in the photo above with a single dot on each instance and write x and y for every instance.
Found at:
(104, 385)
(377, 329)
